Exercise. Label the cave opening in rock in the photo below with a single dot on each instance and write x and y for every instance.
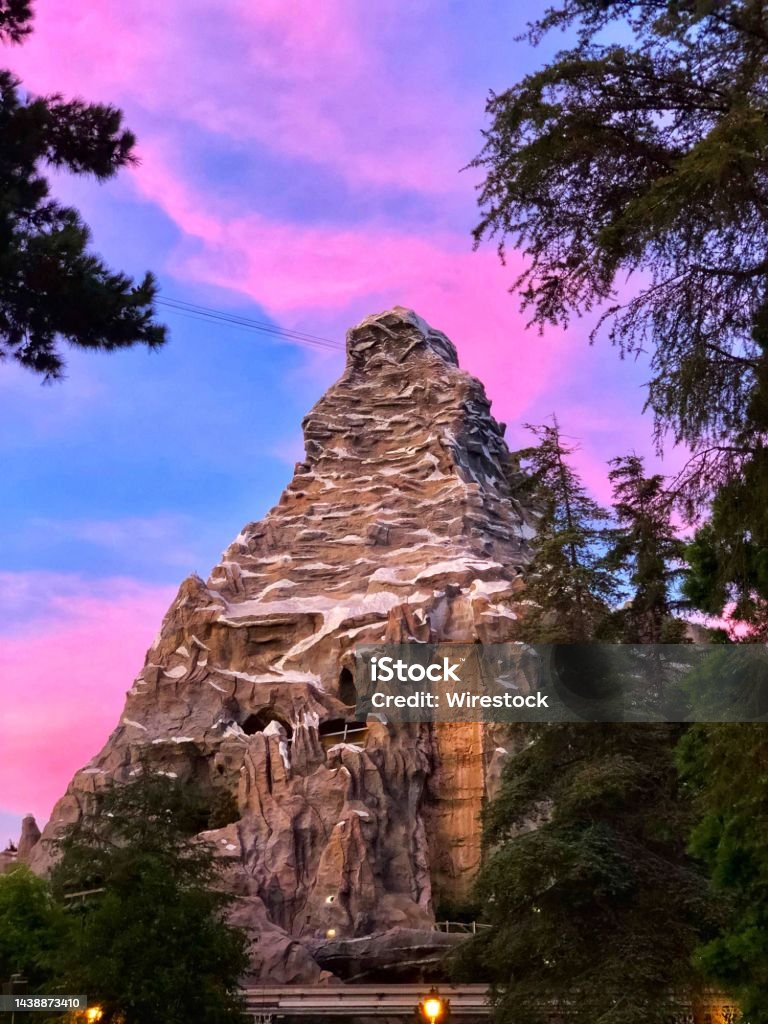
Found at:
(259, 721)
(347, 690)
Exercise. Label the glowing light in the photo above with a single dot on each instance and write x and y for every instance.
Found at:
(94, 1013)
(433, 1007)
(331, 933)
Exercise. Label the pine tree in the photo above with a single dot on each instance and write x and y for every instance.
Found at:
(568, 589)
(154, 943)
(52, 286)
(640, 153)
(594, 906)
(647, 550)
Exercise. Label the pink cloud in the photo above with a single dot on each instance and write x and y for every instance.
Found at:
(107, 46)
(316, 81)
(324, 278)
(599, 441)
(332, 84)
(63, 676)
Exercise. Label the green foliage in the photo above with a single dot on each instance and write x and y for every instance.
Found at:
(32, 927)
(729, 683)
(566, 582)
(728, 556)
(154, 945)
(647, 550)
(725, 766)
(594, 904)
(52, 287)
(648, 157)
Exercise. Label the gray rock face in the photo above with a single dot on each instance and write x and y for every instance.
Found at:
(401, 523)
(30, 835)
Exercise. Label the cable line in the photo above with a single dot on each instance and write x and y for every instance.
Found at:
(207, 313)
(218, 314)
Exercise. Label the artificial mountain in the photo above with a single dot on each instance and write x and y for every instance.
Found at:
(401, 523)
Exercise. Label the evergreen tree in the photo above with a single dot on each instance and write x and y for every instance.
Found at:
(52, 286)
(567, 586)
(594, 906)
(154, 943)
(647, 549)
(642, 151)
(725, 766)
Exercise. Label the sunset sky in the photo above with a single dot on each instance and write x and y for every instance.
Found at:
(300, 164)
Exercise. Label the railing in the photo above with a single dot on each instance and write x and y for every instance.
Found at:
(270, 1003)
(461, 927)
(351, 732)
(355, 1001)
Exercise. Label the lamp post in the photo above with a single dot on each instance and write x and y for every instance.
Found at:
(433, 1009)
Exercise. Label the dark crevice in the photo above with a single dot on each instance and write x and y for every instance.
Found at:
(347, 691)
(259, 721)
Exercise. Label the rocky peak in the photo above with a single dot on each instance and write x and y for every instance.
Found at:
(398, 336)
(401, 523)
(402, 455)
(30, 834)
